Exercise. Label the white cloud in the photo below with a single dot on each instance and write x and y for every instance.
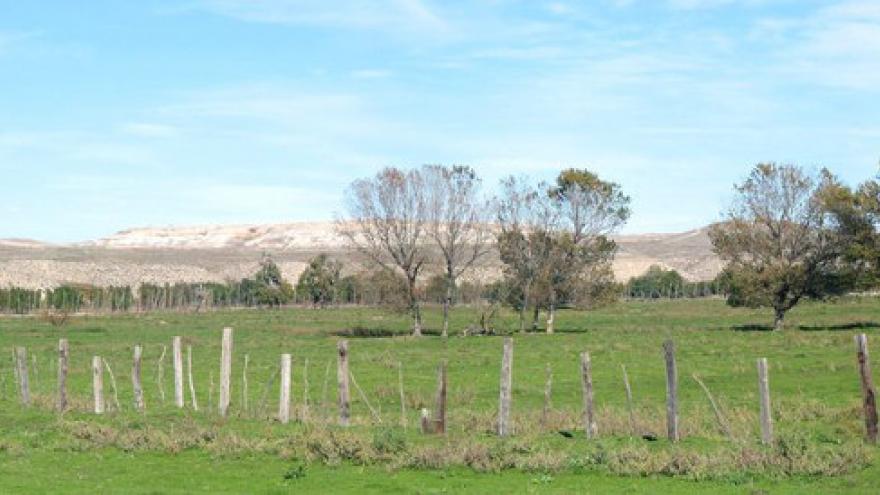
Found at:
(409, 15)
(150, 130)
(370, 74)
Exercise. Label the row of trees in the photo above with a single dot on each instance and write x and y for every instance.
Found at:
(553, 239)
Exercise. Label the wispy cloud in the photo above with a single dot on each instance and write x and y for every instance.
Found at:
(409, 15)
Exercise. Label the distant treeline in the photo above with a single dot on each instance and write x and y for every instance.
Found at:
(320, 285)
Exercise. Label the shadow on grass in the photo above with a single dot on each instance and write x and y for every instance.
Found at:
(809, 328)
(375, 333)
(844, 326)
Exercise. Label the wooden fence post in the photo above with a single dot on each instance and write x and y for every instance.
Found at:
(306, 399)
(425, 421)
(177, 359)
(225, 371)
(590, 428)
(23, 382)
(548, 396)
(98, 383)
(63, 358)
(505, 388)
(136, 379)
(244, 384)
(440, 403)
(671, 391)
(189, 374)
(868, 391)
(764, 392)
(402, 399)
(629, 401)
(284, 396)
(342, 378)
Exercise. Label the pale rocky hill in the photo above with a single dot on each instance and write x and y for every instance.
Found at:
(218, 253)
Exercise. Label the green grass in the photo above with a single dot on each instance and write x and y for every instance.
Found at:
(812, 371)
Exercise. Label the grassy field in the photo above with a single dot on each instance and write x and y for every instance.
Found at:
(815, 388)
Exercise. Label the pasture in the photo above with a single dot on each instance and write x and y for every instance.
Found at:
(815, 389)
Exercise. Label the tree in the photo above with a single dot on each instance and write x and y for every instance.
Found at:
(386, 221)
(269, 287)
(457, 223)
(589, 210)
(525, 216)
(857, 216)
(320, 280)
(778, 242)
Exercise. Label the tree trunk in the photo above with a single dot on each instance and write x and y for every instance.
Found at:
(535, 315)
(523, 308)
(551, 312)
(779, 320)
(414, 306)
(447, 302)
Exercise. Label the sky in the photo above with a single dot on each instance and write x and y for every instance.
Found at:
(119, 114)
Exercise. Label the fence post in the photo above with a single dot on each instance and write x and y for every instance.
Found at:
(23, 382)
(63, 358)
(671, 391)
(425, 421)
(136, 379)
(98, 383)
(402, 399)
(868, 391)
(505, 388)
(548, 396)
(225, 371)
(284, 397)
(189, 374)
(629, 401)
(177, 359)
(342, 378)
(590, 428)
(764, 392)
(440, 414)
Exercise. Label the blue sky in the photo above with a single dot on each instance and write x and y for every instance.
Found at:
(116, 114)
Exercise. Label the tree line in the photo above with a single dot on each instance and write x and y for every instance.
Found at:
(789, 235)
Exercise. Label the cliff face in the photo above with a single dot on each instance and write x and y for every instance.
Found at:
(228, 252)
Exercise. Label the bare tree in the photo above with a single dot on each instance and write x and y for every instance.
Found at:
(777, 240)
(457, 223)
(525, 219)
(387, 222)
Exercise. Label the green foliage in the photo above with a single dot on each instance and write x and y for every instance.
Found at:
(321, 281)
(269, 287)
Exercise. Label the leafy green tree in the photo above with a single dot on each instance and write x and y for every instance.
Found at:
(857, 215)
(269, 288)
(320, 280)
(778, 241)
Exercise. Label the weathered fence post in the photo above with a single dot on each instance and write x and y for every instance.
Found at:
(440, 403)
(63, 358)
(425, 421)
(284, 397)
(402, 399)
(225, 371)
(505, 388)
(23, 382)
(671, 391)
(177, 359)
(590, 428)
(548, 395)
(722, 423)
(629, 401)
(136, 379)
(160, 374)
(189, 374)
(98, 383)
(868, 391)
(306, 399)
(764, 392)
(342, 378)
(244, 384)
